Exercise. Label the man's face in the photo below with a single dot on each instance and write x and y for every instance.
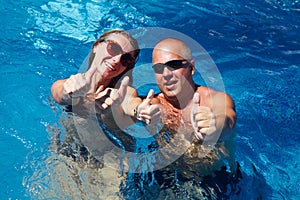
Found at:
(172, 81)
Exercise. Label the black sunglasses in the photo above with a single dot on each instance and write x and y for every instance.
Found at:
(171, 65)
(113, 48)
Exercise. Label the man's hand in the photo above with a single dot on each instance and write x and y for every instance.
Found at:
(202, 118)
(147, 112)
(111, 96)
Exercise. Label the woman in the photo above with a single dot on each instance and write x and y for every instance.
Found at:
(113, 54)
(82, 143)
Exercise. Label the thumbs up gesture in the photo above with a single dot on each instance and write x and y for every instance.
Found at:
(147, 112)
(79, 84)
(111, 96)
(202, 118)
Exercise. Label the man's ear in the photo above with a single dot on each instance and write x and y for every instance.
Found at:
(192, 66)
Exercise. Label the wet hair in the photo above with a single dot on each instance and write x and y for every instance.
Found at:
(136, 51)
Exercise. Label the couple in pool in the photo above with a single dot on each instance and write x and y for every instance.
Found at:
(196, 122)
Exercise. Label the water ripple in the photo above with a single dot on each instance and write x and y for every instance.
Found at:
(84, 21)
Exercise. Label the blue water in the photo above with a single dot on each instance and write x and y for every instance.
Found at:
(255, 45)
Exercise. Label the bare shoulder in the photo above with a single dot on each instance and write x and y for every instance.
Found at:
(157, 98)
(224, 97)
(215, 96)
(132, 91)
(206, 95)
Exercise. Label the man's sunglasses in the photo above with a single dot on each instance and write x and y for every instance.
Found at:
(171, 65)
(114, 49)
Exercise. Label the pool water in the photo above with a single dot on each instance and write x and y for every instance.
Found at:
(255, 45)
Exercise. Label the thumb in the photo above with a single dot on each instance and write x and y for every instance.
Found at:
(149, 96)
(196, 99)
(196, 102)
(89, 73)
(123, 87)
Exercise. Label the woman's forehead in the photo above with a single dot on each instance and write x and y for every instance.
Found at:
(121, 40)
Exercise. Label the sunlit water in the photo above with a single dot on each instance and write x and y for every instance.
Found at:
(255, 45)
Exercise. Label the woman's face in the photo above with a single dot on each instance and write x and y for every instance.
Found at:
(113, 55)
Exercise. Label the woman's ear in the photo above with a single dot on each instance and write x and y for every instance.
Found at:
(95, 48)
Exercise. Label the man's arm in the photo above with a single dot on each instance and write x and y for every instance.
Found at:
(212, 114)
(224, 110)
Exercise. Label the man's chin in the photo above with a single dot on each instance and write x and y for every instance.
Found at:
(170, 93)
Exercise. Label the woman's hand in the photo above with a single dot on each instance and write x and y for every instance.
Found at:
(79, 84)
(111, 96)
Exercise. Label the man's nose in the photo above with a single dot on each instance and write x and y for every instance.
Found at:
(167, 71)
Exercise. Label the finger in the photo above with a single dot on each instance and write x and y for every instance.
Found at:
(67, 87)
(103, 94)
(144, 116)
(90, 72)
(203, 124)
(75, 84)
(203, 116)
(99, 89)
(149, 96)
(202, 110)
(147, 121)
(194, 111)
(123, 87)
(72, 83)
(155, 119)
(104, 106)
(150, 112)
(109, 101)
(207, 131)
(196, 99)
(154, 109)
(195, 106)
(198, 135)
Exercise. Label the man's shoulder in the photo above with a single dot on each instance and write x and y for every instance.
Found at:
(209, 91)
(205, 91)
(157, 98)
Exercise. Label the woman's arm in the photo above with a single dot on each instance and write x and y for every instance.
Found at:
(58, 94)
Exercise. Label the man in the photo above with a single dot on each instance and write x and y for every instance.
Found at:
(209, 111)
(194, 118)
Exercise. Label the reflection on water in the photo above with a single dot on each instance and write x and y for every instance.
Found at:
(72, 172)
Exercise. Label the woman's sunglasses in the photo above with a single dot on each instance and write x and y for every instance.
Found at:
(114, 49)
(171, 65)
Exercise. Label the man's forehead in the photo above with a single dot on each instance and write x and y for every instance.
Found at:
(164, 53)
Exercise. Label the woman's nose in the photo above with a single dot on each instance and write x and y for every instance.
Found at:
(117, 58)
